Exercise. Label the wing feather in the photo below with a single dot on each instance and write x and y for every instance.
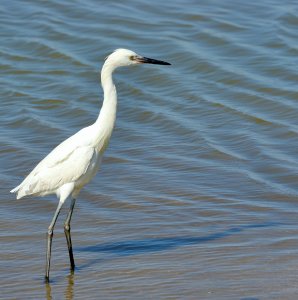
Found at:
(66, 163)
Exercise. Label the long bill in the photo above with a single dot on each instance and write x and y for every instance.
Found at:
(146, 60)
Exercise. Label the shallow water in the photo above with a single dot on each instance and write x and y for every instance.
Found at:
(197, 194)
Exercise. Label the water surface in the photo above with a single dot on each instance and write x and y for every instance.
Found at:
(197, 194)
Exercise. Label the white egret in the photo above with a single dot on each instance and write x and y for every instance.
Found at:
(74, 162)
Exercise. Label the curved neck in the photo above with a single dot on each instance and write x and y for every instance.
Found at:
(107, 115)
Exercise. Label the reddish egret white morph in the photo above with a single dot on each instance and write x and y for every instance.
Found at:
(74, 162)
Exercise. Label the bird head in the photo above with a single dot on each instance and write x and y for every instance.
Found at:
(125, 57)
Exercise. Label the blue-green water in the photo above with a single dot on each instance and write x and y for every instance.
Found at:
(197, 194)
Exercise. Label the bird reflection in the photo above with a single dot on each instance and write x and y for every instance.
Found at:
(48, 291)
(68, 294)
(69, 289)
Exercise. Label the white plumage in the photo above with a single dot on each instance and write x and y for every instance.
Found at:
(74, 162)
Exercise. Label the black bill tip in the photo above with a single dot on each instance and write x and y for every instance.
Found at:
(146, 60)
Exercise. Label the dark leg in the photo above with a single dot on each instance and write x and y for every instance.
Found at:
(67, 233)
(49, 241)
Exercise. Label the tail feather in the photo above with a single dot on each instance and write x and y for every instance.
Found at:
(15, 189)
(18, 191)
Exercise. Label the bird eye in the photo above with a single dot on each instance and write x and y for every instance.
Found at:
(132, 57)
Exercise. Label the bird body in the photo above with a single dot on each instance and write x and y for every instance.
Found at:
(77, 159)
(74, 162)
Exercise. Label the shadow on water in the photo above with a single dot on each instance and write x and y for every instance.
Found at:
(135, 247)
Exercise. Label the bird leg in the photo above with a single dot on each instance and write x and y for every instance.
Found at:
(49, 240)
(67, 234)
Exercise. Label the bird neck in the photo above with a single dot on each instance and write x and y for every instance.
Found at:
(106, 119)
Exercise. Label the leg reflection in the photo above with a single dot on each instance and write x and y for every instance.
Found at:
(69, 289)
(48, 291)
(68, 294)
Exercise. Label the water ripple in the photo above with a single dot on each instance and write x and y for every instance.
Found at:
(202, 165)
